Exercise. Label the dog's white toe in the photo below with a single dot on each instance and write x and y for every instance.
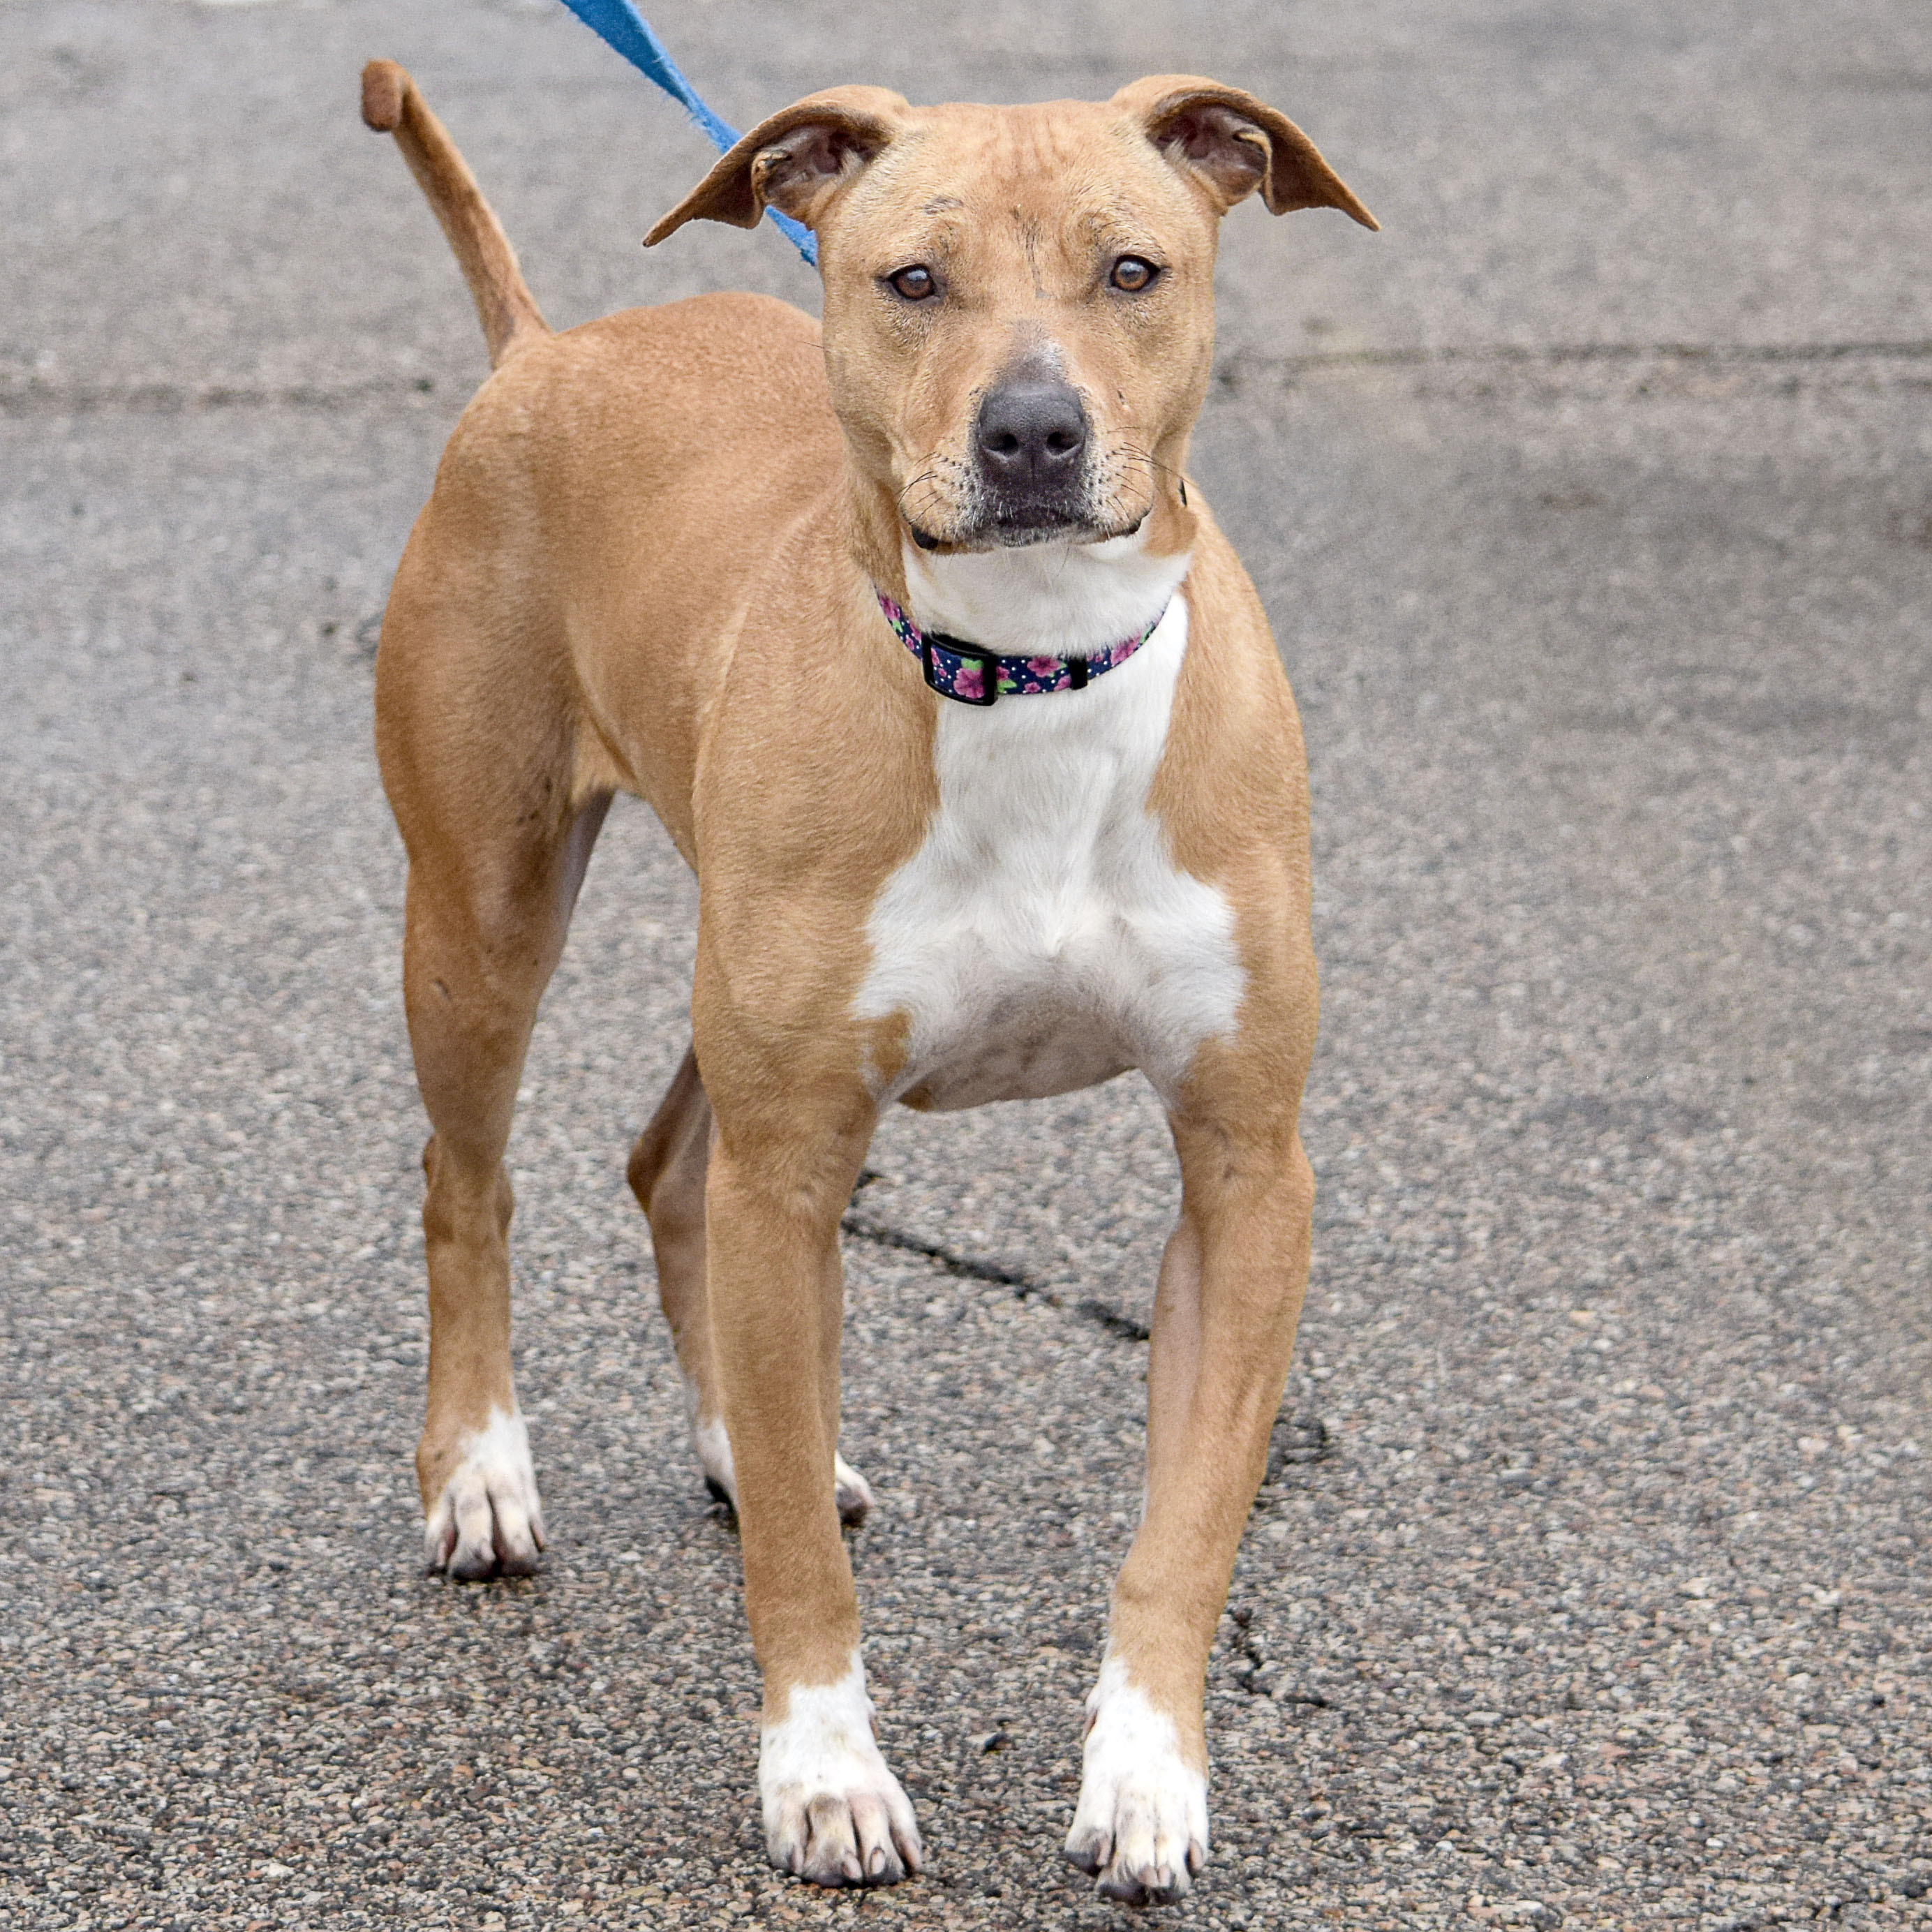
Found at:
(833, 1814)
(1141, 1826)
(854, 1493)
(488, 1521)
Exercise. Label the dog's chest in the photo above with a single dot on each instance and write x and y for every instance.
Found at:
(1042, 938)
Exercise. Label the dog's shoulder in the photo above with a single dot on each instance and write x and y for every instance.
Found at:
(1232, 787)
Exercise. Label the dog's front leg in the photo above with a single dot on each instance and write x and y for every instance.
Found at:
(1231, 1290)
(833, 1813)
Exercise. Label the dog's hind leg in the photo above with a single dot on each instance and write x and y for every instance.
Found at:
(477, 739)
(479, 951)
(668, 1170)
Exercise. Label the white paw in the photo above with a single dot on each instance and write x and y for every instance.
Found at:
(1142, 1823)
(487, 1522)
(714, 1455)
(714, 1452)
(834, 1814)
(854, 1493)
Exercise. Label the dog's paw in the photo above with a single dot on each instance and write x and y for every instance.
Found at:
(834, 1814)
(854, 1493)
(487, 1521)
(1141, 1826)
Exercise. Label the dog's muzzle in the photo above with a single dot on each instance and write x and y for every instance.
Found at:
(1031, 445)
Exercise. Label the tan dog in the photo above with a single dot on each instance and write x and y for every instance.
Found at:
(659, 557)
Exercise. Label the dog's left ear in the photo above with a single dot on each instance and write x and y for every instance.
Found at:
(1230, 144)
(796, 161)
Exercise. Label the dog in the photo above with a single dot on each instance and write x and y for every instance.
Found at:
(917, 638)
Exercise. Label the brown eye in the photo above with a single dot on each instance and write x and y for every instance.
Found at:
(1133, 275)
(915, 284)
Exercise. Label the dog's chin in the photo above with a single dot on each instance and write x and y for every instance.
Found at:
(1026, 532)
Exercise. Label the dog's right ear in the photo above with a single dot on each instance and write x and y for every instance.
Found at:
(796, 161)
(1230, 144)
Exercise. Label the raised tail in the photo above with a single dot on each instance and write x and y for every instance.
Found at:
(392, 105)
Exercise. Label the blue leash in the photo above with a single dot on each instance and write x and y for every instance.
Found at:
(624, 27)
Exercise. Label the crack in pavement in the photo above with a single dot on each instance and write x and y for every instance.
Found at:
(1123, 1328)
(36, 396)
(1597, 352)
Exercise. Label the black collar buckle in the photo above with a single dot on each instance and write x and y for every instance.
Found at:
(988, 661)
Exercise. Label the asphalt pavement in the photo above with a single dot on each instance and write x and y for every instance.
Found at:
(1592, 503)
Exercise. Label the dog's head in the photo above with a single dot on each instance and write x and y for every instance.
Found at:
(1018, 301)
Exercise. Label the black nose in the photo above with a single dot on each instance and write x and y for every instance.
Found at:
(1031, 433)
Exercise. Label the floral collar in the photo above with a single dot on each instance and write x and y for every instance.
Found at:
(973, 675)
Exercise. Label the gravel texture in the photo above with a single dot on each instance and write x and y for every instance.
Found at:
(1592, 504)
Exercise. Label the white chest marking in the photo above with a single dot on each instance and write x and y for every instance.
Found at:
(1041, 939)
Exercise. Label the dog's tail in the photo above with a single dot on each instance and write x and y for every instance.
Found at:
(392, 105)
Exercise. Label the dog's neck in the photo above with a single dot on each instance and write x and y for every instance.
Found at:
(1046, 600)
(1060, 600)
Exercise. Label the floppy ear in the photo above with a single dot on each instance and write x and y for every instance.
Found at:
(795, 162)
(1232, 144)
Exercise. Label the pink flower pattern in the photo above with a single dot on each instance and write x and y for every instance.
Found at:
(961, 674)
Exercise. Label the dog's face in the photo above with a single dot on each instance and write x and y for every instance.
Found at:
(1018, 301)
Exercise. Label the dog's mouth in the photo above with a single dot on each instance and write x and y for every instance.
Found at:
(955, 507)
(1021, 530)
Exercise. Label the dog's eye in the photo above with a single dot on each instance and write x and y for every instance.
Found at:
(1133, 275)
(915, 284)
